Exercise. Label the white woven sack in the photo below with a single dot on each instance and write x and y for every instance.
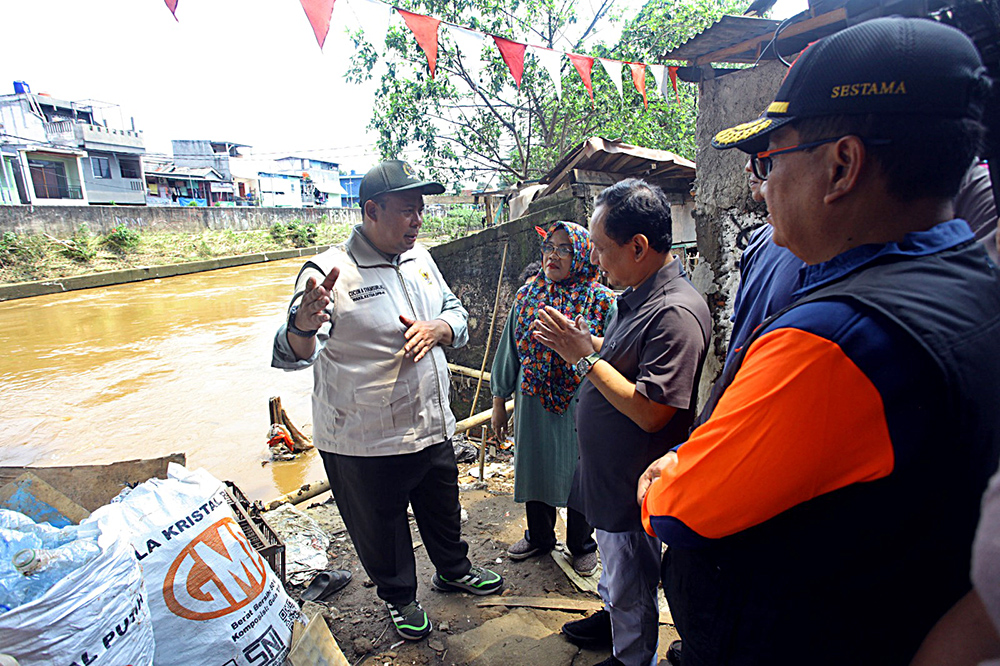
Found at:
(213, 598)
(98, 614)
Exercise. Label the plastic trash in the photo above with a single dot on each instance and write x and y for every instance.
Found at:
(83, 600)
(41, 568)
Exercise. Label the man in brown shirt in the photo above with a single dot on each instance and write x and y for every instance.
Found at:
(636, 403)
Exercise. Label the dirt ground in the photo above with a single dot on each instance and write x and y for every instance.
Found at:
(464, 631)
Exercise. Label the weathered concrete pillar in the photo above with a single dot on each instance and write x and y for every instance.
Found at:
(724, 213)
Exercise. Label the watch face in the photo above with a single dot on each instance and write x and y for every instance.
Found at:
(583, 366)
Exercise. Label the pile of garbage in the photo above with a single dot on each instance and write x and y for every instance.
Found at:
(161, 574)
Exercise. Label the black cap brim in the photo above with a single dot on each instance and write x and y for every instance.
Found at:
(751, 137)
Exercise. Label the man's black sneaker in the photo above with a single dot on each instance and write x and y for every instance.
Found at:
(592, 632)
(478, 581)
(411, 620)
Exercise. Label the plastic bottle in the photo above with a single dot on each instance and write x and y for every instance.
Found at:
(42, 568)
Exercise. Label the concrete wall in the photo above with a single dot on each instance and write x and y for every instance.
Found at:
(471, 266)
(62, 221)
(724, 213)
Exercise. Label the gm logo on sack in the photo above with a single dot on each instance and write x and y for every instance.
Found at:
(217, 573)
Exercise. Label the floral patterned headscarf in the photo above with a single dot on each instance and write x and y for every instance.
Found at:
(545, 373)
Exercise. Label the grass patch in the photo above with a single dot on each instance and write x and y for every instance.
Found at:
(42, 257)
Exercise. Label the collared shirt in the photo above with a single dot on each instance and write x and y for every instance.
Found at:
(657, 340)
(769, 275)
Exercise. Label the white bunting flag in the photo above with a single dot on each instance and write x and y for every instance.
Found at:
(470, 45)
(552, 62)
(659, 73)
(614, 70)
(373, 17)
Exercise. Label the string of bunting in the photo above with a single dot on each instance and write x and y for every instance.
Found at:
(373, 15)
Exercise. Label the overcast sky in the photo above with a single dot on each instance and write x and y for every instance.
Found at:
(247, 71)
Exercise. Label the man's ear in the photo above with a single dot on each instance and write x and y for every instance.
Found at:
(371, 210)
(847, 158)
(641, 245)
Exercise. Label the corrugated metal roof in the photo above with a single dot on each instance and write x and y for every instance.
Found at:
(725, 32)
(743, 39)
(186, 173)
(659, 167)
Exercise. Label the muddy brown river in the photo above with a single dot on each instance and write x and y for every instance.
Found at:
(145, 369)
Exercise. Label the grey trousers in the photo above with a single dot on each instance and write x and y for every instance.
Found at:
(628, 586)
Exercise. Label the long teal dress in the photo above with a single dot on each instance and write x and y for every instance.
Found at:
(545, 447)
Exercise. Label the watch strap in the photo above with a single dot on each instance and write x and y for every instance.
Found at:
(291, 325)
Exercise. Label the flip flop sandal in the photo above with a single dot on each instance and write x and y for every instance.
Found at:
(326, 583)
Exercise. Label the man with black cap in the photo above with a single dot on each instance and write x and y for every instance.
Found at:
(824, 513)
(370, 316)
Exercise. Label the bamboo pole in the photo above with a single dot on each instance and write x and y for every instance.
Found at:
(486, 354)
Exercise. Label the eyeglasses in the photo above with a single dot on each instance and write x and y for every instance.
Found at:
(563, 251)
(761, 163)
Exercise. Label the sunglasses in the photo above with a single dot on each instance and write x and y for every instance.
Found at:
(761, 163)
(563, 251)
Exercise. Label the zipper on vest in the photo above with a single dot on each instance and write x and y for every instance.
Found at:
(437, 374)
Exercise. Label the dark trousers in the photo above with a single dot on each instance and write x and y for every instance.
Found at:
(542, 528)
(372, 494)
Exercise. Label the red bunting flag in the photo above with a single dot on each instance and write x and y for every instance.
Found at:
(513, 55)
(583, 65)
(172, 6)
(318, 12)
(425, 29)
(639, 79)
(672, 73)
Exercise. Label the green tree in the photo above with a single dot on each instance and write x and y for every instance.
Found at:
(520, 134)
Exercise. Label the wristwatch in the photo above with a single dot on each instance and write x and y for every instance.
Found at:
(291, 325)
(584, 365)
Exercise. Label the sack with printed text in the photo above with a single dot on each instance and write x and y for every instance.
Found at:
(214, 600)
(91, 613)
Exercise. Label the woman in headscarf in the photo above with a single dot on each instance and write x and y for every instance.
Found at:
(544, 386)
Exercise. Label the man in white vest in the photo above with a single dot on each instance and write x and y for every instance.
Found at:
(371, 316)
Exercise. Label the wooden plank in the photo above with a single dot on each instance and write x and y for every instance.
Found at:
(546, 603)
(38, 500)
(588, 584)
(93, 486)
(560, 604)
(592, 177)
(839, 14)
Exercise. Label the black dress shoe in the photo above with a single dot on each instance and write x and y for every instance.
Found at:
(326, 583)
(592, 632)
(674, 653)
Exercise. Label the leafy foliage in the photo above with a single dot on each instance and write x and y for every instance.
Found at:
(122, 239)
(521, 134)
(302, 235)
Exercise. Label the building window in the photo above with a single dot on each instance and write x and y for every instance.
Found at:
(49, 180)
(101, 167)
(130, 168)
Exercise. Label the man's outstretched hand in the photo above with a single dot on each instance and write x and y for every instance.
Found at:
(422, 336)
(316, 298)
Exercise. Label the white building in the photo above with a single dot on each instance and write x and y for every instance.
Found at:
(62, 152)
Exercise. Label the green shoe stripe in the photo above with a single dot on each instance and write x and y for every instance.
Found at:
(413, 627)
